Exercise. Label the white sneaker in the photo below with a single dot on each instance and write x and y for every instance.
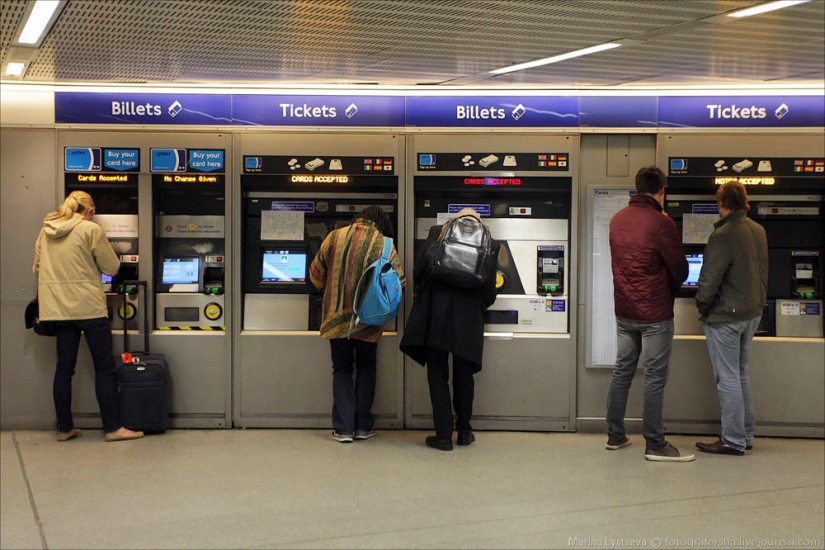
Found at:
(343, 438)
(668, 453)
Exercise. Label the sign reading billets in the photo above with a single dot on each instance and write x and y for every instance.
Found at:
(434, 111)
(492, 111)
(475, 162)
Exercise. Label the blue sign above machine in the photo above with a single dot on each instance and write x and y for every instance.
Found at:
(135, 108)
(98, 159)
(493, 111)
(772, 111)
(277, 110)
(741, 112)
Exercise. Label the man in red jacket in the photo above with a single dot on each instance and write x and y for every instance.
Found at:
(649, 266)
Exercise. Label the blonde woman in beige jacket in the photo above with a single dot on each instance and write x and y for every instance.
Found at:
(70, 254)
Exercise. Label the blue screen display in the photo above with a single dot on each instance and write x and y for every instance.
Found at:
(694, 268)
(180, 271)
(284, 266)
(105, 279)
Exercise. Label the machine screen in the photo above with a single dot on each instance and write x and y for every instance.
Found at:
(284, 266)
(694, 268)
(105, 279)
(180, 271)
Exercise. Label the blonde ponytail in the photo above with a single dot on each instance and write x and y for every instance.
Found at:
(77, 201)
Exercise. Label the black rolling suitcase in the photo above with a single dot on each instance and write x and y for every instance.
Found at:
(142, 379)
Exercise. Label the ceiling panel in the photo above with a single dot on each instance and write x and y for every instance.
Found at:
(409, 42)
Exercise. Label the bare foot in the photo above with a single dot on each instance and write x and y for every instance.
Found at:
(123, 434)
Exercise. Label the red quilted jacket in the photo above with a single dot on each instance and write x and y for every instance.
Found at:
(644, 242)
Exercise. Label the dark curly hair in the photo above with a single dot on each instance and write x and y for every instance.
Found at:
(380, 217)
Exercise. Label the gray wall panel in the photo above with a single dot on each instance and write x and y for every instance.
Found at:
(28, 190)
(597, 161)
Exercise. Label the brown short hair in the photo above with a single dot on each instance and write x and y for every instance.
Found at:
(650, 180)
(733, 196)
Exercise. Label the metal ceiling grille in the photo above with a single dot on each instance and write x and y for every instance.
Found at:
(407, 42)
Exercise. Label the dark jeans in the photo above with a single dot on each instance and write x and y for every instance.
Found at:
(438, 375)
(352, 403)
(651, 341)
(99, 338)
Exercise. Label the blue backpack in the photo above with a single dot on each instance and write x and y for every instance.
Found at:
(378, 293)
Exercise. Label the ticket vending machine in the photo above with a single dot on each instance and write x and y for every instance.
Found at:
(289, 204)
(523, 189)
(188, 279)
(788, 202)
(110, 176)
(785, 180)
(189, 245)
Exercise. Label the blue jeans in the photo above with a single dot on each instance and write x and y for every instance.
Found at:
(652, 342)
(352, 403)
(99, 338)
(729, 347)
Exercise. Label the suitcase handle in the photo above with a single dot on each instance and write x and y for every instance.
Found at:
(122, 290)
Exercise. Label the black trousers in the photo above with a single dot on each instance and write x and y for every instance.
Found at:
(352, 401)
(438, 376)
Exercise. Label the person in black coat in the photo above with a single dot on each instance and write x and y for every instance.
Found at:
(444, 320)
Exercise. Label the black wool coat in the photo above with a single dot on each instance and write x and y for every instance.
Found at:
(444, 316)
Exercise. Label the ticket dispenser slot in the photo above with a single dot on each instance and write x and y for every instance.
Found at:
(805, 275)
(550, 274)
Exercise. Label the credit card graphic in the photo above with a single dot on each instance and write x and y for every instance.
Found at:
(313, 164)
(488, 160)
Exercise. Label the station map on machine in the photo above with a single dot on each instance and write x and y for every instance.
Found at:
(282, 225)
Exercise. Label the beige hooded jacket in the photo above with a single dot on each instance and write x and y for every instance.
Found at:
(69, 257)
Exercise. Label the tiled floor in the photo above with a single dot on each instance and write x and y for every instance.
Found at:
(300, 489)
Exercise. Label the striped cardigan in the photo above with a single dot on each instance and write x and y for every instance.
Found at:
(344, 255)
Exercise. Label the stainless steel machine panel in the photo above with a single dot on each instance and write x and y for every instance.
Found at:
(276, 312)
(799, 318)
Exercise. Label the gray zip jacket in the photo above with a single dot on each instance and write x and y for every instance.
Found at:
(733, 283)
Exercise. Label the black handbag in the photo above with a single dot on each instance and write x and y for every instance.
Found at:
(43, 328)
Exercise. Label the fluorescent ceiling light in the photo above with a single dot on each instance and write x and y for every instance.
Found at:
(38, 19)
(556, 59)
(770, 6)
(15, 69)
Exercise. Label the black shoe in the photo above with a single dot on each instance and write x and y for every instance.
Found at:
(749, 447)
(440, 444)
(616, 443)
(719, 448)
(465, 438)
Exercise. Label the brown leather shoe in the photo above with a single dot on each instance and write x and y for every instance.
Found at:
(719, 448)
(65, 436)
(122, 434)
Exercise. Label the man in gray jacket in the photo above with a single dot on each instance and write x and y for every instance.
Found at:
(731, 295)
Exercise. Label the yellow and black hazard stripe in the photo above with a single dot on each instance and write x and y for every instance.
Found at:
(193, 328)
